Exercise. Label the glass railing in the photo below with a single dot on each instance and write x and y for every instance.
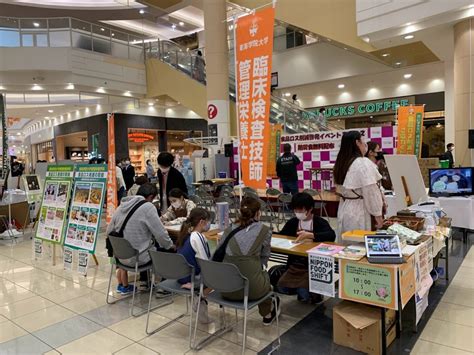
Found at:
(293, 118)
(70, 32)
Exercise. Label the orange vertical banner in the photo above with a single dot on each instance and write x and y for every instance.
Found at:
(111, 175)
(253, 52)
(410, 129)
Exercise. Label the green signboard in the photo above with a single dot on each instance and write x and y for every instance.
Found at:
(86, 206)
(56, 195)
(364, 108)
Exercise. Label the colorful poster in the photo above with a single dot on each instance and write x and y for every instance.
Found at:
(254, 47)
(86, 207)
(274, 148)
(53, 210)
(370, 284)
(111, 176)
(410, 129)
(322, 278)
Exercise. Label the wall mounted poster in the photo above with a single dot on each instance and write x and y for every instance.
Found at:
(56, 194)
(86, 206)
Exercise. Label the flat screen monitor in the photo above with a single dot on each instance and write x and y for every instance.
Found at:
(451, 182)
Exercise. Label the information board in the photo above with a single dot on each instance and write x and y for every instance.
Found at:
(86, 206)
(54, 204)
(322, 278)
(371, 284)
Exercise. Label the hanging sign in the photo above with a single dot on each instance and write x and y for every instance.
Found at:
(254, 47)
(111, 176)
(410, 129)
(57, 191)
(274, 148)
(86, 206)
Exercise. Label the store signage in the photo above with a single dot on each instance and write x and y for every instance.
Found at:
(212, 111)
(364, 108)
(376, 285)
(111, 175)
(254, 47)
(140, 137)
(410, 129)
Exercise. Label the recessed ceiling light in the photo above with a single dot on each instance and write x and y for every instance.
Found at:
(113, 34)
(102, 29)
(70, 86)
(36, 87)
(366, 39)
(409, 37)
(36, 24)
(50, 111)
(398, 63)
(173, 26)
(385, 54)
(287, 94)
(18, 134)
(407, 76)
(100, 90)
(141, 11)
(127, 93)
(345, 48)
(151, 104)
(181, 23)
(341, 86)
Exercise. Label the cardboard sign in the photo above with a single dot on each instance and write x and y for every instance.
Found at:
(322, 278)
(368, 283)
(67, 258)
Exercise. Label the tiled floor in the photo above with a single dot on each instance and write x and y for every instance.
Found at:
(44, 309)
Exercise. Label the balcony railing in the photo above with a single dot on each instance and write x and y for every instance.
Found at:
(70, 32)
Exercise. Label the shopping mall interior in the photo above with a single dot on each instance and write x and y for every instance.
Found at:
(103, 100)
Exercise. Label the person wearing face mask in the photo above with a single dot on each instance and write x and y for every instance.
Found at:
(448, 155)
(193, 244)
(168, 179)
(306, 227)
(375, 154)
(248, 247)
(357, 184)
(128, 172)
(150, 172)
(179, 210)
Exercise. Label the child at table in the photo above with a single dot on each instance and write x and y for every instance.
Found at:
(179, 209)
(306, 227)
(193, 244)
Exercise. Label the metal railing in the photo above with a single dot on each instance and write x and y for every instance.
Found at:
(293, 118)
(70, 32)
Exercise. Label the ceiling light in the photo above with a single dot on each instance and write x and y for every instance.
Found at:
(150, 104)
(2, 87)
(409, 37)
(398, 63)
(70, 86)
(102, 29)
(46, 117)
(366, 39)
(287, 94)
(141, 11)
(341, 86)
(407, 76)
(50, 111)
(385, 55)
(345, 48)
(181, 23)
(113, 34)
(18, 134)
(328, 39)
(36, 87)
(36, 24)
(173, 26)
(100, 90)
(127, 93)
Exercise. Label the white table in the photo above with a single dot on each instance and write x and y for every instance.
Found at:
(460, 209)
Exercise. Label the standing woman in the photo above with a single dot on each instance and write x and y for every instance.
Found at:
(357, 184)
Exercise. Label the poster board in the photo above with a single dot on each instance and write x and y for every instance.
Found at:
(322, 276)
(372, 284)
(86, 206)
(54, 203)
(32, 186)
(406, 166)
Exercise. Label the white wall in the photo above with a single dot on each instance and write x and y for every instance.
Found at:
(320, 62)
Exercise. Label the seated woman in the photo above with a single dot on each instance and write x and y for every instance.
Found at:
(139, 181)
(179, 210)
(249, 249)
(306, 226)
(193, 244)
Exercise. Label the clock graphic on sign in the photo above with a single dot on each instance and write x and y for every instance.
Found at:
(211, 111)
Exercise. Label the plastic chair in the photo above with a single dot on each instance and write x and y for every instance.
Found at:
(123, 250)
(274, 204)
(285, 212)
(171, 267)
(222, 278)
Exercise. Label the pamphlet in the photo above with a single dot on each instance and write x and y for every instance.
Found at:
(281, 243)
(326, 249)
(352, 252)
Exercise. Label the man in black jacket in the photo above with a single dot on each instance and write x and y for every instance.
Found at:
(168, 178)
(128, 172)
(306, 226)
(286, 170)
(448, 155)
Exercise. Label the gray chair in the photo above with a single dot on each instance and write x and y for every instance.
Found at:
(123, 250)
(285, 212)
(171, 267)
(222, 278)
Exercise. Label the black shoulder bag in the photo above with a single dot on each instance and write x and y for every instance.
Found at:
(119, 234)
(219, 254)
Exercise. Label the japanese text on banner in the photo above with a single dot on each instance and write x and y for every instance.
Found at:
(111, 176)
(254, 45)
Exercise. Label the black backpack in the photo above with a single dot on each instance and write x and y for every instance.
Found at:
(119, 234)
(219, 254)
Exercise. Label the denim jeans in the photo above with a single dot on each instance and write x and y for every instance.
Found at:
(290, 187)
(303, 293)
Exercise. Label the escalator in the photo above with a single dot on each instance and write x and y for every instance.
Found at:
(171, 68)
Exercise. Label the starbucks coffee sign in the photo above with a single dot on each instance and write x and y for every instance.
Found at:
(366, 108)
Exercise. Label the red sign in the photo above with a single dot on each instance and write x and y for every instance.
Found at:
(140, 137)
(211, 111)
(254, 47)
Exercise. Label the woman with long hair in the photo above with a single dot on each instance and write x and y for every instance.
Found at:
(357, 184)
(249, 249)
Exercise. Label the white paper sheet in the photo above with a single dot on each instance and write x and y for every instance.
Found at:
(283, 243)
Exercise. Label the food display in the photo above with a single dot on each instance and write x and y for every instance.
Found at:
(414, 223)
(407, 234)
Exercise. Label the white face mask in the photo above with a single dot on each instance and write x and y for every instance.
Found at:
(127, 162)
(176, 204)
(301, 215)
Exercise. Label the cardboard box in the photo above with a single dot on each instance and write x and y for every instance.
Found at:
(359, 327)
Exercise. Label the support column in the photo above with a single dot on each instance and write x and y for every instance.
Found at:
(217, 66)
(463, 90)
